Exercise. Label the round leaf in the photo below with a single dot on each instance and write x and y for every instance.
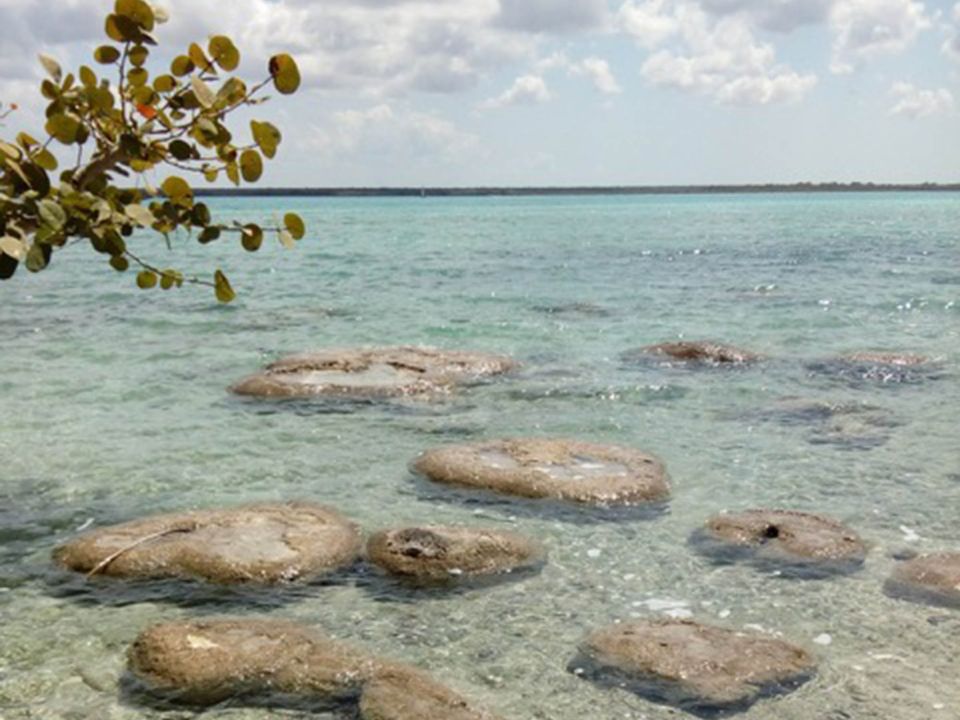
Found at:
(266, 136)
(294, 225)
(106, 54)
(119, 263)
(136, 10)
(252, 237)
(182, 65)
(176, 188)
(285, 74)
(138, 55)
(223, 52)
(222, 288)
(251, 166)
(146, 279)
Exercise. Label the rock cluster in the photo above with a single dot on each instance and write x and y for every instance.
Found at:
(568, 470)
(812, 544)
(696, 667)
(449, 554)
(256, 544)
(203, 662)
(371, 373)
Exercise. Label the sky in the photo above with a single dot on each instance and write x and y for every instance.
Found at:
(564, 92)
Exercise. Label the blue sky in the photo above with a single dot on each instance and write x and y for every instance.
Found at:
(561, 92)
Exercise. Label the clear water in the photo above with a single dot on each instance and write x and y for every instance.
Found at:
(113, 406)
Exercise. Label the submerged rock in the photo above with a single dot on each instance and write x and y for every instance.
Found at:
(783, 539)
(256, 543)
(444, 554)
(411, 695)
(933, 579)
(885, 368)
(371, 373)
(569, 470)
(696, 667)
(695, 351)
(205, 662)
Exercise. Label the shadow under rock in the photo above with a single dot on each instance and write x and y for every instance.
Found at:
(481, 501)
(219, 598)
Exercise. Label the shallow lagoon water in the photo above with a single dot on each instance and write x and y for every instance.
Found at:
(113, 405)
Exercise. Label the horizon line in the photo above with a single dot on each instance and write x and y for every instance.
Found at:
(527, 190)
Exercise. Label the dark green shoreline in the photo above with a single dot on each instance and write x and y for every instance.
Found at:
(584, 190)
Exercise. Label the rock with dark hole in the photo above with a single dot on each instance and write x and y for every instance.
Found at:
(277, 662)
(268, 543)
(410, 695)
(699, 668)
(568, 470)
(447, 554)
(933, 579)
(779, 539)
(371, 373)
(694, 352)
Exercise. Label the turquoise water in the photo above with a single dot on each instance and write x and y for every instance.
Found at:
(113, 405)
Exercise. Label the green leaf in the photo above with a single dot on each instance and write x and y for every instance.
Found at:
(251, 166)
(119, 263)
(123, 29)
(208, 235)
(146, 279)
(106, 54)
(294, 225)
(46, 160)
(266, 136)
(222, 287)
(8, 266)
(181, 150)
(51, 214)
(199, 59)
(138, 11)
(137, 76)
(138, 55)
(87, 77)
(285, 74)
(64, 128)
(169, 278)
(164, 83)
(177, 189)
(182, 65)
(38, 257)
(251, 237)
(51, 66)
(224, 52)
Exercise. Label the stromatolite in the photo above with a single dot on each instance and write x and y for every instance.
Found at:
(255, 543)
(783, 539)
(697, 667)
(933, 578)
(695, 351)
(445, 554)
(277, 662)
(569, 470)
(372, 373)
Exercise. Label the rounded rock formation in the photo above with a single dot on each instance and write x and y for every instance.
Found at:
(444, 554)
(411, 695)
(696, 351)
(568, 470)
(786, 539)
(932, 579)
(256, 543)
(371, 373)
(205, 662)
(692, 666)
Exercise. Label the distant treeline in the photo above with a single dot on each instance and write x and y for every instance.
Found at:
(587, 190)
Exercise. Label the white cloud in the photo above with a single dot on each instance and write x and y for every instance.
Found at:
(776, 15)
(722, 59)
(916, 102)
(649, 22)
(951, 47)
(383, 132)
(599, 73)
(863, 29)
(552, 15)
(526, 90)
